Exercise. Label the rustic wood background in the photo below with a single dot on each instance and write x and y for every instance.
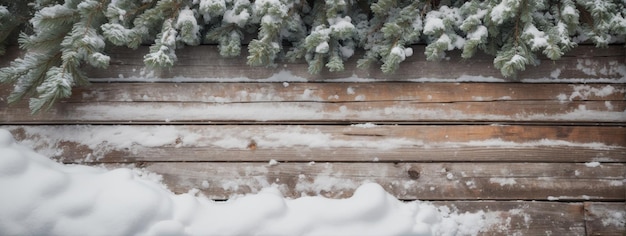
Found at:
(517, 148)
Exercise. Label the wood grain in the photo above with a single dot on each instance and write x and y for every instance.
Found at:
(316, 112)
(330, 103)
(605, 218)
(479, 143)
(409, 181)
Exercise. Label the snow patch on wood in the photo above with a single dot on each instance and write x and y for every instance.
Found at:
(104, 139)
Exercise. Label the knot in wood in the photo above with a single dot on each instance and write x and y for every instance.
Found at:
(414, 173)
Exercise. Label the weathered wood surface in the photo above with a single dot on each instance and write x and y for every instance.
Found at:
(605, 218)
(390, 143)
(410, 181)
(341, 103)
(221, 137)
(583, 64)
(526, 218)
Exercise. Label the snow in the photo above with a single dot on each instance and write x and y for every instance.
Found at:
(43, 197)
(346, 52)
(499, 13)
(584, 91)
(398, 51)
(552, 198)
(187, 16)
(105, 139)
(408, 52)
(341, 24)
(613, 218)
(478, 33)
(350, 90)
(538, 38)
(365, 125)
(323, 47)
(433, 25)
(240, 19)
(555, 73)
(503, 181)
(592, 164)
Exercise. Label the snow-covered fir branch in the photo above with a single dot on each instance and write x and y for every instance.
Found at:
(63, 35)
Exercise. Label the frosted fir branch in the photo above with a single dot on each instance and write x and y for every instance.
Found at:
(332, 32)
(8, 23)
(401, 27)
(229, 31)
(272, 15)
(212, 8)
(607, 18)
(162, 53)
(58, 85)
(26, 73)
(442, 25)
(473, 27)
(325, 33)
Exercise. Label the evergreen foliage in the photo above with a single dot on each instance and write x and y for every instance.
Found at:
(64, 35)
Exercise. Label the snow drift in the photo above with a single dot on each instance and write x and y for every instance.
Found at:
(43, 197)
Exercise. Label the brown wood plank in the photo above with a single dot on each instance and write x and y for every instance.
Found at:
(132, 143)
(318, 112)
(525, 218)
(602, 218)
(584, 62)
(341, 92)
(330, 103)
(425, 181)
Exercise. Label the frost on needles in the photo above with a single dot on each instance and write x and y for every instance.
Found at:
(60, 37)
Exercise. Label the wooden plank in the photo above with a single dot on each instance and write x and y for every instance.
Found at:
(602, 218)
(341, 92)
(525, 218)
(330, 103)
(409, 181)
(318, 112)
(204, 62)
(389, 143)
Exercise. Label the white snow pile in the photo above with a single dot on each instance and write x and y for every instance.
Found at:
(43, 197)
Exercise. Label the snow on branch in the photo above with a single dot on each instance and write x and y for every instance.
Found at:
(63, 36)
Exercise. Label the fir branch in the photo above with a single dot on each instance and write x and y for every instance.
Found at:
(68, 34)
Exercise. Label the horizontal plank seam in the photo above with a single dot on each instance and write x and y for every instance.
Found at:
(320, 123)
(349, 102)
(143, 162)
